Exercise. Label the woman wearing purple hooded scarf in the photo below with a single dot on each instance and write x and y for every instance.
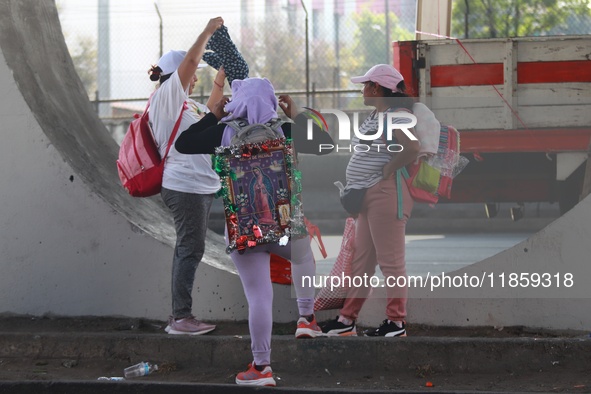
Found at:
(254, 99)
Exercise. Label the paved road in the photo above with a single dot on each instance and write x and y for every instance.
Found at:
(433, 253)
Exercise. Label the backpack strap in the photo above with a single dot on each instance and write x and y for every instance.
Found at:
(244, 129)
(175, 130)
(237, 124)
(241, 125)
(275, 123)
(399, 174)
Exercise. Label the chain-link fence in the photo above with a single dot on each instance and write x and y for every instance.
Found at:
(309, 49)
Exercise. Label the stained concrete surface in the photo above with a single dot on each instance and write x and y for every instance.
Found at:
(67, 355)
(71, 185)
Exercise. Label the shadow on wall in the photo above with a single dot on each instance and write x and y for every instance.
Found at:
(322, 206)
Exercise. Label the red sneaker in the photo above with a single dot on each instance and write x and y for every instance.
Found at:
(253, 377)
(308, 329)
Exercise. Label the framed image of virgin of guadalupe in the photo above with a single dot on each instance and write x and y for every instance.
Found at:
(261, 190)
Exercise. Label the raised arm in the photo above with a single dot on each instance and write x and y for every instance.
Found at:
(201, 137)
(189, 65)
(206, 135)
(217, 91)
(289, 106)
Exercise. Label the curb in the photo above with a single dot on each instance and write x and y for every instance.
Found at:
(443, 355)
(74, 387)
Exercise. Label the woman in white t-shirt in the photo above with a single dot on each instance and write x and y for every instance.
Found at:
(189, 183)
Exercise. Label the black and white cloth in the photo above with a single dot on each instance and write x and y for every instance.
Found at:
(225, 54)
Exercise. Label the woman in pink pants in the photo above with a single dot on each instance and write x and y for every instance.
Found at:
(387, 204)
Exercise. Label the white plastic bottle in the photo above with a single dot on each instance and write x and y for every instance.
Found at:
(140, 369)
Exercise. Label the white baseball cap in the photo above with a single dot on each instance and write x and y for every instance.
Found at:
(383, 74)
(171, 60)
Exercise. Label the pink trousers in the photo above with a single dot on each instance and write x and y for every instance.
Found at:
(379, 240)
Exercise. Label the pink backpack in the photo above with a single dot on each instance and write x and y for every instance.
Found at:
(139, 165)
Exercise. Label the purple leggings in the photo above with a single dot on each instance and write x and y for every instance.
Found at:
(254, 270)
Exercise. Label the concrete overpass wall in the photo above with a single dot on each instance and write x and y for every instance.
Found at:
(72, 242)
(510, 293)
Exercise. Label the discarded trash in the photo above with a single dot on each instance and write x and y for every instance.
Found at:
(116, 378)
(70, 363)
(429, 384)
(327, 371)
(555, 362)
(167, 367)
(140, 369)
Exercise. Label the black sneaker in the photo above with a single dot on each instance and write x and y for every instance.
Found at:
(333, 328)
(387, 329)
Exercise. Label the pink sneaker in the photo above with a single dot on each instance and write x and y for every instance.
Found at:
(188, 326)
(253, 377)
(308, 329)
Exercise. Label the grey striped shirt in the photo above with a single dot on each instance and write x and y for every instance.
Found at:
(369, 157)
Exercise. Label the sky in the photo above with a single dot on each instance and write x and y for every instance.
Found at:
(134, 29)
(80, 15)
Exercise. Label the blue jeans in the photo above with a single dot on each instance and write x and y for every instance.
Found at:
(191, 214)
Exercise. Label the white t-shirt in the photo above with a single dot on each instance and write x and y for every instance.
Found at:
(183, 173)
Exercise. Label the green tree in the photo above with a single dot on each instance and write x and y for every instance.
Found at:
(370, 38)
(516, 18)
(84, 55)
(273, 52)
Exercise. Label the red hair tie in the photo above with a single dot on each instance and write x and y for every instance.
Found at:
(154, 73)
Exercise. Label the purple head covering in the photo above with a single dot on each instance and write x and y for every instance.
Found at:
(252, 99)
